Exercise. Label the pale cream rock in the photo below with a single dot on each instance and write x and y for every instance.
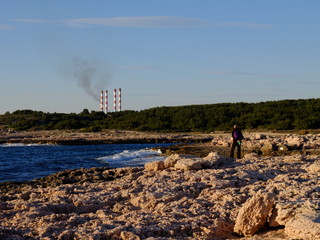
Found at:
(191, 164)
(306, 222)
(315, 167)
(213, 159)
(174, 158)
(295, 141)
(283, 212)
(259, 136)
(154, 166)
(125, 235)
(252, 145)
(254, 213)
(304, 226)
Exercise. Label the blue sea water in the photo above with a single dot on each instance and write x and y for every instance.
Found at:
(20, 162)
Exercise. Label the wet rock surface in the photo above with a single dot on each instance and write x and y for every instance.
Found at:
(199, 194)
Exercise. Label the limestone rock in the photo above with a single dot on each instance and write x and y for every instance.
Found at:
(125, 235)
(267, 147)
(154, 166)
(192, 164)
(213, 158)
(315, 167)
(252, 145)
(295, 141)
(304, 226)
(259, 136)
(254, 213)
(223, 143)
(283, 212)
(173, 159)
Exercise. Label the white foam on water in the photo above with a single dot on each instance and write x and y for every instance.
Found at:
(132, 158)
(23, 144)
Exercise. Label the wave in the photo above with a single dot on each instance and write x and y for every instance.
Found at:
(132, 157)
(22, 144)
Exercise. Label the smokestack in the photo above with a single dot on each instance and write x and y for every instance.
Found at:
(101, 101)
(119, 93)
(106, 103)
(115, 100)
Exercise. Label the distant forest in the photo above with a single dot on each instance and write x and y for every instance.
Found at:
(271, 115)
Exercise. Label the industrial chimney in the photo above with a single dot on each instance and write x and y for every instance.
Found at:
(115, 100)
(104, 104)
(119, 95)
(101, 101)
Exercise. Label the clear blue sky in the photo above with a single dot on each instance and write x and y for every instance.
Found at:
(56, 56)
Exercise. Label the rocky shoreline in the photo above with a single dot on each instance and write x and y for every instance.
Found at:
(106, 137)
(271, 193)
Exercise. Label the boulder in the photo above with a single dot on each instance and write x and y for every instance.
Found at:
(253, 215)
(154, 166)
(252, 145)
(259, 136)
(295, 142)
(283, 212)
(267, 147)
(304, 226)
(126, 235)
(174, 158)
(223, 143)
(315, 167)
(192, 164)
(301, 219)
(213, 158)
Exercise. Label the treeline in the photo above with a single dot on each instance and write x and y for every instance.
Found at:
(277, 115)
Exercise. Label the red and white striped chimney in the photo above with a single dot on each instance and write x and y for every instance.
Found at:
(119, 94)
(106, 102)
(101, 101)
(115, 100)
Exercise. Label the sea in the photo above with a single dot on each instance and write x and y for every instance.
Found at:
(24, 162)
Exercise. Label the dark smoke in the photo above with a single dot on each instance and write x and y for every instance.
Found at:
(89, 76)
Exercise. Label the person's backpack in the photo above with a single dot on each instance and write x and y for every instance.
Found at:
(238, 135)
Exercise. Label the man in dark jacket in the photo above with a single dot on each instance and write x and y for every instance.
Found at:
(236, 143)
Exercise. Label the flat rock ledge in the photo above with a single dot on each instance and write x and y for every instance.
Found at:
(182, 197)
(106, 137)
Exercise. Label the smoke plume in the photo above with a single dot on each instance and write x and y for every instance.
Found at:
(89, 76)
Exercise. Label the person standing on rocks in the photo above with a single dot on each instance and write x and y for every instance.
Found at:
(236, 143)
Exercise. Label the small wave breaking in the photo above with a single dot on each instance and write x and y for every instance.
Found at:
(132, 157)
(23, 144)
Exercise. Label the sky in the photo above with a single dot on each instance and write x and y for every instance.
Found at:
(56, 56)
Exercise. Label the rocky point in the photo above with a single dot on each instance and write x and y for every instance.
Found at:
(186, 196)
